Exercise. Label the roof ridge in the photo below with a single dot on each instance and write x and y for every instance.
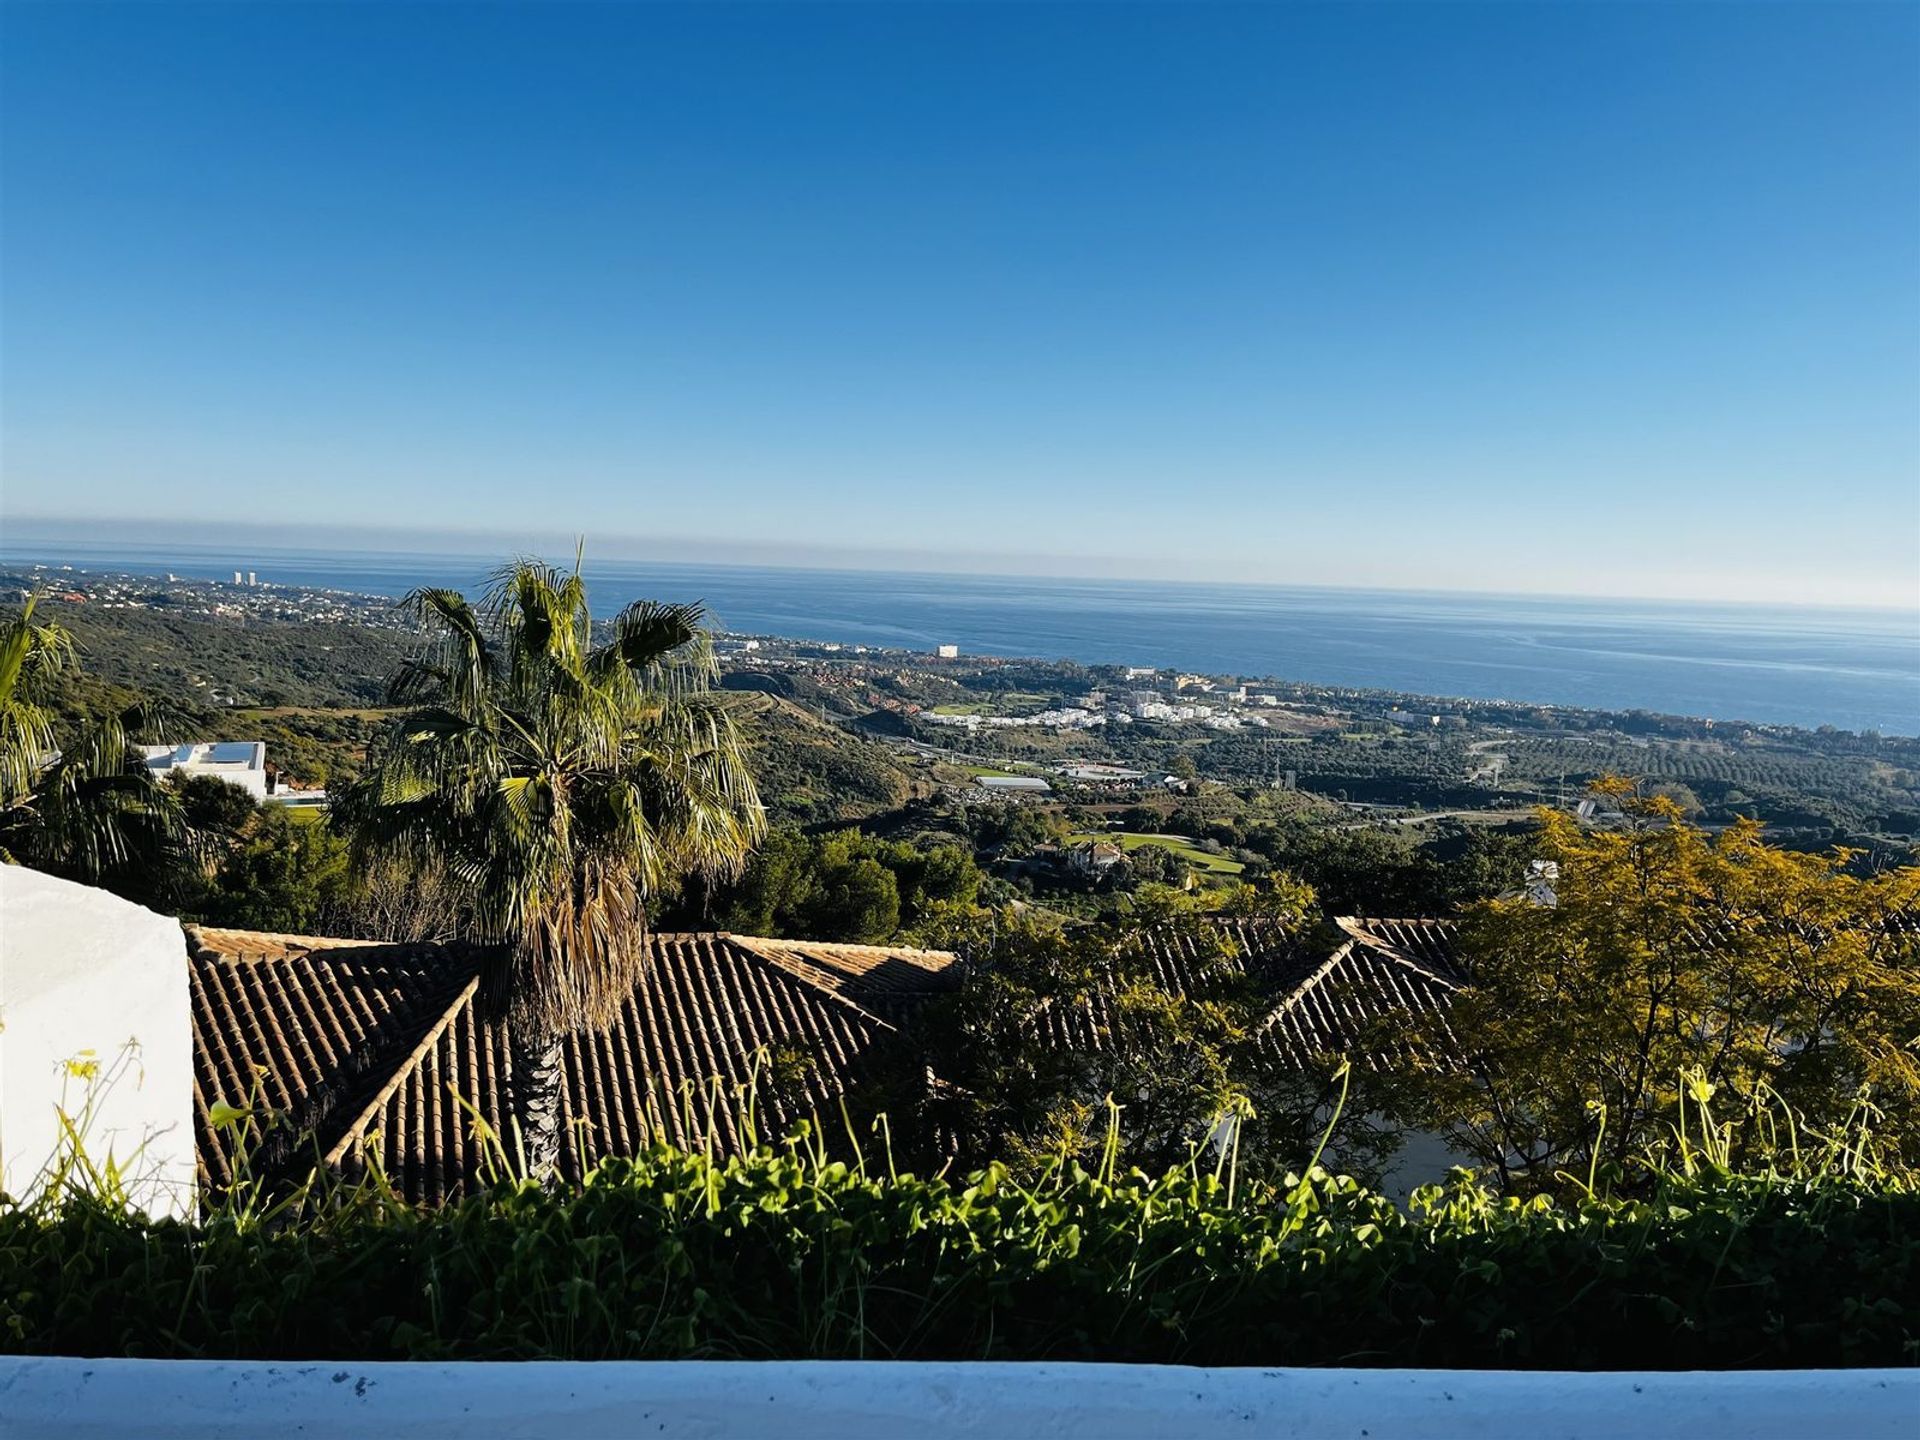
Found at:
(1294, 996)
(862, 946)
(290, 946)
(198, 939)
(747, 944)
(200, 947)
(408, 1064)
(1362, 934)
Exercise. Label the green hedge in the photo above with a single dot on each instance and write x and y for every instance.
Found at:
(785, 1256)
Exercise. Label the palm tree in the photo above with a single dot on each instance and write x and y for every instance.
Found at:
(561, 785)
(30, 655)
(82, 805)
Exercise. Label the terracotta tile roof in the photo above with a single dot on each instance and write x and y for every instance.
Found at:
(363, 1048)
(1273, 954)
(889, 980)
(304, 1028)
(1430, 944)
(1276, 956)
(1323, 1006)
(1385, 970)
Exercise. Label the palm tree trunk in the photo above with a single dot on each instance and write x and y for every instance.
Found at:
(538, 1057)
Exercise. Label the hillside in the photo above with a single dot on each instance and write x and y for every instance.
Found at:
(237, 662)
(814, 770)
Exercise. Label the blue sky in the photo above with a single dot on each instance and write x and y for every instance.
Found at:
(1579, 298)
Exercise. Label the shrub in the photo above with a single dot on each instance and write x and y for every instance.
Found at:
(788, 1254)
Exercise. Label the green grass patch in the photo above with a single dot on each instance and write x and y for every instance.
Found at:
(331, 712)
(1180, 845)
(1011, 702)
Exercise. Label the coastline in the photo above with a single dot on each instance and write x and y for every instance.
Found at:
(1769, 666)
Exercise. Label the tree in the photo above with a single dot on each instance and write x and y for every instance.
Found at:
(858, 900)
(933, 877)
(1053, 1024)
(847, 885)
(1363, 871)
(31, 654)
(1674, 966)
(77, 800)
(563, 786)
(776, 884)
(288, 874)
(215, 815)
(212, 805)
(1154, 865)
(1487, 863)
(1014, 830)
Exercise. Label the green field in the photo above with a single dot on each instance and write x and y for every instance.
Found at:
(1004, 702)
(331, 712)
(1180, 845)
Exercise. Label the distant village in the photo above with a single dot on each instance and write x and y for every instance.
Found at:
(1142, 693)
(1228, 706)
(245, 597)
(983, 729)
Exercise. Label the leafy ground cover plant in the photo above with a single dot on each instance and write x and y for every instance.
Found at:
(790, 1253)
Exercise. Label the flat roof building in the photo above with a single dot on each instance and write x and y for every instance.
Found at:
(1012, 782)
(238, 762)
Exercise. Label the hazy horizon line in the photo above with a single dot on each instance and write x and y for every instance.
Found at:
(401, 541)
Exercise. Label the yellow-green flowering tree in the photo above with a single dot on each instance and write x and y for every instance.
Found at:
(1675, 965)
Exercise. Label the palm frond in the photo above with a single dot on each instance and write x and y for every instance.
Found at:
(559, 785)
(30, 654)
(658, 644)
(462, 658)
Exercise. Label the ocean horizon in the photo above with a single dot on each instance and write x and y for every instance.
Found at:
(1855, 669)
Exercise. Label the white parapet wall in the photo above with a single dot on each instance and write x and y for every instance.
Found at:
(853, 1400)
(96, 1035)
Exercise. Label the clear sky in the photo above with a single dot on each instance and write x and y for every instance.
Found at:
(1610, 299)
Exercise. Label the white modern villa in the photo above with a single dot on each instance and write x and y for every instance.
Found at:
(238, 762)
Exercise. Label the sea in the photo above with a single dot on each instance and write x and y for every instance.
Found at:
(1853, 669)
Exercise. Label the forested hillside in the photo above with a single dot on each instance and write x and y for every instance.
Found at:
(237, 662)
(816, 770)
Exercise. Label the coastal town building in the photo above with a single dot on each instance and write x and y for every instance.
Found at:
(1067, 718)
(1099, 772)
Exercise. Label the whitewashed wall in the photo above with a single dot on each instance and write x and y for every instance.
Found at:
(94, 1022)
(187, 1400)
